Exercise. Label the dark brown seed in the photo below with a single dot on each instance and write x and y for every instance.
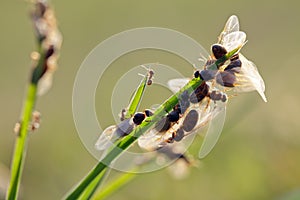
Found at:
(217, 96)
(218, 51)
(224, 98)
(200, 93)
(190, 121)
(226, 78)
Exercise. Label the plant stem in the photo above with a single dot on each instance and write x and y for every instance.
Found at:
(21, 143)
(115, 185)
(129, 139)
(131, 110)
(137, 97)
(90, 190)
(49, 41)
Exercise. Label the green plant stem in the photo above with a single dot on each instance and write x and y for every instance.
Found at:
(21, 143)
(137, 97)
(115, 185)
(90, 190)
(120, 146)
(132, 108)
(129, 139)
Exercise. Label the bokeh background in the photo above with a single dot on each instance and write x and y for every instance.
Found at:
(258, 154)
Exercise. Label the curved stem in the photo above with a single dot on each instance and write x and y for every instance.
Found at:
(132, 108)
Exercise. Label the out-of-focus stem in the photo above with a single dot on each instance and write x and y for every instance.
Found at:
(115, 185)
(21, 143)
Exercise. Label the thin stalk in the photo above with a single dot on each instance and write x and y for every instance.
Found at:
(21, 140)
(91, 189)
(137, 97)
(21, 143)
(132, 108)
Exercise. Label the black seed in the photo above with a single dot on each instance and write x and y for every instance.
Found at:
(148, 113)
(138, 118)
(197, 74)
(177, 108)
(173, 116)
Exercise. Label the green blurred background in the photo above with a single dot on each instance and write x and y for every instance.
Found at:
(258, 154)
